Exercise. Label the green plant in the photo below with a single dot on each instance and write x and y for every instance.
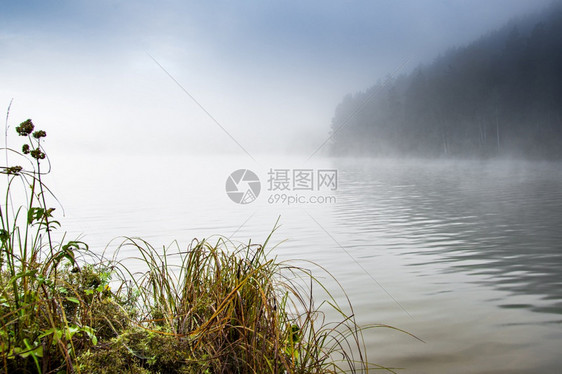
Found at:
(214, 307)
(40, 325)
(230, 307)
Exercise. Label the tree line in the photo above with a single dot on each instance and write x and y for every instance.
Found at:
(500, 95)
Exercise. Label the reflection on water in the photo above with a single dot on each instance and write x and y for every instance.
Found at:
(471, 250)
(500, 222)
(480, 248)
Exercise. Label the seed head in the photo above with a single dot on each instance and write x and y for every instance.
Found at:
(25, 128)
(39, 134)
(14, 170)
(37, 154)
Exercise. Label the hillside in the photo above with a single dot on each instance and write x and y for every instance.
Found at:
(500, 95)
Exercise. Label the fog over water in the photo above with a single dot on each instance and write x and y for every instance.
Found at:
(150, 106)
(464, 254)
(270, 73)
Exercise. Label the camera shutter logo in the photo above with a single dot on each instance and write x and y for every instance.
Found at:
(243, 186)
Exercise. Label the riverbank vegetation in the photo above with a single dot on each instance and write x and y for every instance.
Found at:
(213, 307)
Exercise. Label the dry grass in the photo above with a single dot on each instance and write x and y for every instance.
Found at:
(210, 308)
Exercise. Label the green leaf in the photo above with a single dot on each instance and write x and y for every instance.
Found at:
(57, 334)
(71, 331)
(29, 273)
(4, 302)
(73, 299)
(30, 350)
(90, 332)
(35, 214)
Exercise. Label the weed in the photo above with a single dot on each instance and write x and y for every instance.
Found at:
(214, 307)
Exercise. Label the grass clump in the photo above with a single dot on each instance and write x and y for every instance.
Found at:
(214, 307)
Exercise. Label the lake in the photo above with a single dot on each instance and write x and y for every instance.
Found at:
(465, 255)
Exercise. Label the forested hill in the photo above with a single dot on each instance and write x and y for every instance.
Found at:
(498, 96)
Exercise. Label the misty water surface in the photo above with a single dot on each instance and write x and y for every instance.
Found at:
(465, 255)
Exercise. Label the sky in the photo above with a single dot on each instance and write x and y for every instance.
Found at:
(240, 77)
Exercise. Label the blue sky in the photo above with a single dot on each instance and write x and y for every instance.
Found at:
(271, 72)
